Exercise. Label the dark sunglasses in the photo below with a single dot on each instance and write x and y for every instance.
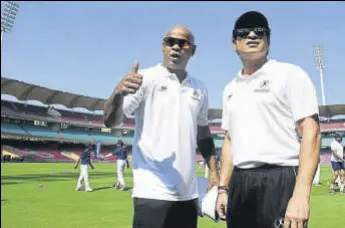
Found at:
(244, 32)
(170, 42)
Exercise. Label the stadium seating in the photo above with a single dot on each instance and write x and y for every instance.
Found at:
(98, 122)
(52, 155)
(12, 128)
(75, 135)
(41, 131)
(109, 138)
(104, 137)
(332, 125)
(70, 134)
(12, 155)
(218, 143)
(40, 154)
(127, 140)
(28, 155)
(215, 128)
(325, 159)
(70, 116)
(326, 142)
(75, 154)
(77, 120)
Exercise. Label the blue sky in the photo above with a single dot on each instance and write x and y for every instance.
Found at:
(87, 47)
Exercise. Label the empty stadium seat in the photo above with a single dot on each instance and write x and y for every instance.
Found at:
(105, 137)
(73, 134)
(41, 131)
(218, 143)
(326, 142)
(12, 128)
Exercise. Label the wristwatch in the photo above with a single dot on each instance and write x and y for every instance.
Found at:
(224, 188)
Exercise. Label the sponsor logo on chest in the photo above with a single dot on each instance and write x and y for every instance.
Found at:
(264, 86)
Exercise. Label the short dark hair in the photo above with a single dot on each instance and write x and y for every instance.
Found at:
(120, 142)
(337, 136)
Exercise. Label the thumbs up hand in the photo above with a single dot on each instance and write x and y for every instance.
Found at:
(131, 82)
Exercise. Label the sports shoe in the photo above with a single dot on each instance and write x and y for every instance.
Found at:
(342, 191)
(332, 191)
(117, 186)
(89, 190)
(77, 189)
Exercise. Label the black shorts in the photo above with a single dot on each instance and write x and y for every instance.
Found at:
(259, 197)
(338, 166)
(149, 213)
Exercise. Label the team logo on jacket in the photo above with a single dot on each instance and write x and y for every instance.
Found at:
(264, 86)
(196, 94)
(162, 88)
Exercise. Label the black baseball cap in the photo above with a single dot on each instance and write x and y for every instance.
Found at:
(251, 19)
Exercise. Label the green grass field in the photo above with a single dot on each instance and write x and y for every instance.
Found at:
(25, 204)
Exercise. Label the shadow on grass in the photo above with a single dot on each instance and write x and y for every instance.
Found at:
(102, 188)
(10, 183)
(110, 187)
(54, 177)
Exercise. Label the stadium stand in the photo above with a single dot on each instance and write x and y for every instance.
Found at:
(40, 131)
(75, 135)
(12, 128)
(30, 130)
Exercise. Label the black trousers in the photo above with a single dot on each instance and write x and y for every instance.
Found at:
(149, 213)
(259, 197)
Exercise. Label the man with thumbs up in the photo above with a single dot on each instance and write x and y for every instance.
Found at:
(170, 108)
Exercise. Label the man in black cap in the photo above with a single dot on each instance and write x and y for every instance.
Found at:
(267, 171)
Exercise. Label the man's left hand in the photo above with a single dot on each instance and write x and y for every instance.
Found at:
(297, 212)
(213, 180)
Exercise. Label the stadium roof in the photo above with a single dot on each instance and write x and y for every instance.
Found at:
(25, 91)
(332, 110)
(214, 114)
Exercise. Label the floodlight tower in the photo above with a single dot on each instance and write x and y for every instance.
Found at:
(320, 65)
(8, 16)
(319, 61)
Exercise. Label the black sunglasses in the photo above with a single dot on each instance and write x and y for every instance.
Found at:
(244, 32)
(170, 42)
